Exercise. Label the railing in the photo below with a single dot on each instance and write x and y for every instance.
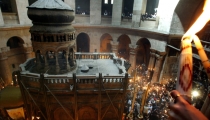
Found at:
(61, 83)
(85, 55)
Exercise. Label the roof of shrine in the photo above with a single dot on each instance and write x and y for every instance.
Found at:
(50, 4)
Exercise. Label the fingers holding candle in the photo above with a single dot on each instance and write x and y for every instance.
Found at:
(182, 110)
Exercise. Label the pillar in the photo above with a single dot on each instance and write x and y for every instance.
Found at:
(137, 11)
(5, 73)
(132, 58)
(22, 11)
(114, 45)
(46, 67)
(144, 5)
(57, 67)
(151, 63)
(165, 14)
(67, 61)
(95, 11)
(38, 62)
(117, 12)
(1, 18)
(158, 67)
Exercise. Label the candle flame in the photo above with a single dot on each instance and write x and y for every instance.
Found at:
(200, 22)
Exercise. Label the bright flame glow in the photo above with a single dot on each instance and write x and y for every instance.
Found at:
(195, 93)
(201, 21)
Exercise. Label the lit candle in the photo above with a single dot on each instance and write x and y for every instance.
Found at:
(202, 54)
(184, 82)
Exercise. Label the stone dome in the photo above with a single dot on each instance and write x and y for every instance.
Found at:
(48, 13)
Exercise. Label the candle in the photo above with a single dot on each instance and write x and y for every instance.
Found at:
(202, 54)
(184, 82)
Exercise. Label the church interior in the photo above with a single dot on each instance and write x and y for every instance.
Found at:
(111, 57)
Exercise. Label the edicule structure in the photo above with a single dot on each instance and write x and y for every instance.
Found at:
(60, 84)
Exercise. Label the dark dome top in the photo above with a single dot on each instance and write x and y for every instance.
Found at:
(50, 4)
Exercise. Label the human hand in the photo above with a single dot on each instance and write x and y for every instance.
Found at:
(182, 110)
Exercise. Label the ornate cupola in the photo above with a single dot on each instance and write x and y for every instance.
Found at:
(52, 36)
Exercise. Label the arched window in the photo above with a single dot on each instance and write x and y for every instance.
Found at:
(15, 42)
(83, 43)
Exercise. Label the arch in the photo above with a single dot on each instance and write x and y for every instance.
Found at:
(83, 42)
(123, 46)
(49, 49)
(193, 5)
(15, 42)
(87, 113)
(62, 48)
(143, 52)
(105, 45)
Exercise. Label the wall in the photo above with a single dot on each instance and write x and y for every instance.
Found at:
(8, 32)
(158, 41)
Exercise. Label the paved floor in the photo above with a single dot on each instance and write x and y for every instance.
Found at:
(105, 66)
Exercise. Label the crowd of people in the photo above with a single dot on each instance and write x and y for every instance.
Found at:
(156, 104)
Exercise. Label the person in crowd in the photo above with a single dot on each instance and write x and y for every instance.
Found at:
(182, 110)
(105, 13)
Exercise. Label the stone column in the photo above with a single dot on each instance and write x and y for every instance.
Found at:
(132, 58)
(117, 12)
(22, 11)
(57, 67)
(165, 14)
(5, 73)
(1, 18)
(38, 62)
(95, 11)
(71, 56)
(158, 67)
(114, 47)
(67, 61)
(137, 11)
(46, 67)
(144, 5)
(151, 63)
